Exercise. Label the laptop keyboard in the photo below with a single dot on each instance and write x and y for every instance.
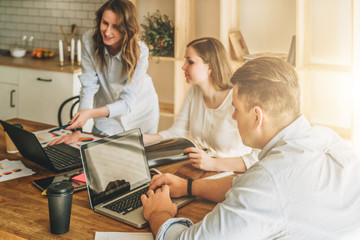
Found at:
(61, 159)
(128, 203)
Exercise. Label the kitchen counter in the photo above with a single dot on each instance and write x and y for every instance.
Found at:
(50, 64)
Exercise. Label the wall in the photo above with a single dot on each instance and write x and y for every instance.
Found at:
(208, 21)
(42, 19)
(268, 26)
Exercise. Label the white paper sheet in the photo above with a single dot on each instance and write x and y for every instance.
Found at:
(13, 169)
(124, 236)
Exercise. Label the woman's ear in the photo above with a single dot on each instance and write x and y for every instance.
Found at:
(209, 70)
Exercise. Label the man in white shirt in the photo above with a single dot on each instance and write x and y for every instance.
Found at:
(306, 184)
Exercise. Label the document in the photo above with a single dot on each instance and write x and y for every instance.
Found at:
(124, 236)
(13, 169)
(45, 137)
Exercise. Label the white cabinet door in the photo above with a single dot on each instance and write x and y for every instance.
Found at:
(42, 92)
(8, 92)
(8, 101)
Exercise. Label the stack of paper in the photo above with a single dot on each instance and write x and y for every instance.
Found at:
(13, 169)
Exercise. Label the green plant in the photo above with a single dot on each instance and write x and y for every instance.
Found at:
(158, 33)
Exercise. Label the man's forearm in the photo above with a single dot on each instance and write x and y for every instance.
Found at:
(212, 189)
(156, 220)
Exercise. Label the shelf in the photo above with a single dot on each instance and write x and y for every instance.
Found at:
(170, 59)
(166, 72)
(166, 108)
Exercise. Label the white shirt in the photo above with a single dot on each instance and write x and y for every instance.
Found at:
(130, 105)
(213, 129)
(306, 185)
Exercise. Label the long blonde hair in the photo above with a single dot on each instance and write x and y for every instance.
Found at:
(129, 29)
(212, 52)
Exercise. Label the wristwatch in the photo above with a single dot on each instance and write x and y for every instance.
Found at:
(76, 129)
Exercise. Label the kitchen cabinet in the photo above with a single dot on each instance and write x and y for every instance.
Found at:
(8, 92)
(42, 92)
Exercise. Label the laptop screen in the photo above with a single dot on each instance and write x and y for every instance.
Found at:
(115, 165)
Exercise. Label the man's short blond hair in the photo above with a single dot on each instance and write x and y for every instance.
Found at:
(271, 84)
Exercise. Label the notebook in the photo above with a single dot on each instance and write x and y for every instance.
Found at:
(116, 169)
(57, 158)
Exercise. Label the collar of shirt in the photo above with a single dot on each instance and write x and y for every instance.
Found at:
(118, 55)
(296, 128)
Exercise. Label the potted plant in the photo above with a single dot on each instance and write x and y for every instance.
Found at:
(158, 33)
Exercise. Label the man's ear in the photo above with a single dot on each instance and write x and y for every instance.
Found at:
(258, 115)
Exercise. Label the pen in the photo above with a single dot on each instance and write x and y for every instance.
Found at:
(59, 128)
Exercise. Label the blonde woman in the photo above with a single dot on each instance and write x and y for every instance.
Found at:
(205, 116)
(116, 90)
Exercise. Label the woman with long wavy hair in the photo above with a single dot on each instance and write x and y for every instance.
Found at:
(116, 90)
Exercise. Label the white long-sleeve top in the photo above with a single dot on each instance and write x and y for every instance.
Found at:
(213, 129)
(306, 185)
(131, 105)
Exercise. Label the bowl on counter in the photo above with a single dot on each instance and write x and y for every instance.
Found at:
(17, 52)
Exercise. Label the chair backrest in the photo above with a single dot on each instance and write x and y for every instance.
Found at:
(69, 105)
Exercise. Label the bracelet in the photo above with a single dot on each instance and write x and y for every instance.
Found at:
(76, 129)
(189, 187)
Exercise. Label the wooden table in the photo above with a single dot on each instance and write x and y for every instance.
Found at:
(24, 211)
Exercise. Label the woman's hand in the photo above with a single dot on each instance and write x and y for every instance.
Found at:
(67, 139)
(200, 159)
(80, 118)
(78, 121)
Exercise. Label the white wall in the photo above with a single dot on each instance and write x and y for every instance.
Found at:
(208, 18)
(267, 26)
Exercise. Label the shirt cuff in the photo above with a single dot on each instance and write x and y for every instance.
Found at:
(117, 108)
(177, 225)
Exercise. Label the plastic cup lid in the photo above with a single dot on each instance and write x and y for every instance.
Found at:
(64, 187)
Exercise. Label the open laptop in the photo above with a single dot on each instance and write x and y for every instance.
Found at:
(116, 169)
(57, 158)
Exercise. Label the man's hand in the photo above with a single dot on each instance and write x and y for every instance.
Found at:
(158, 207)
(176, 185)
(158, 202)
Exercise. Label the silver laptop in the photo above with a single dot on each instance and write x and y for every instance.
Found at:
(117, 174)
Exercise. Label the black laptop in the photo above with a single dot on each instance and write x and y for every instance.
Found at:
(57, 158)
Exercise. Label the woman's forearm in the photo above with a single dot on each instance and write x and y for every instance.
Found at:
(100, 112)
(235, 164)
(150, 138)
